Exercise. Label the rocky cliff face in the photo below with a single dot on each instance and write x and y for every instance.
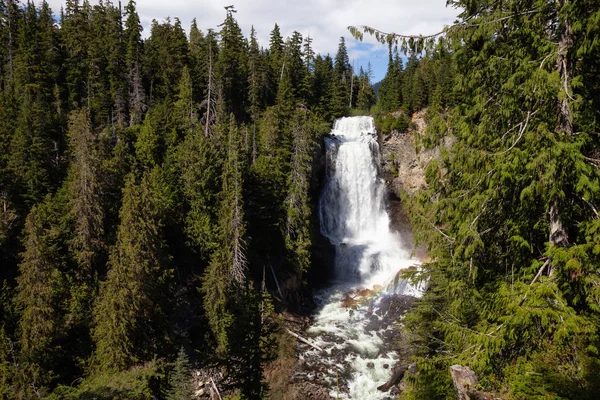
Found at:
(403, 169)
(404, 163)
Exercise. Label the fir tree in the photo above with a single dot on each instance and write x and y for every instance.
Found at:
(181, 378)
(130, 315)
(227, 269)
(86, 208)
(276, 54)
(133, 62)
(297, 226)
(231, 67)
(41, 287)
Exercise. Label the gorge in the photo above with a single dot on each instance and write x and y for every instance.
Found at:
(354, 326)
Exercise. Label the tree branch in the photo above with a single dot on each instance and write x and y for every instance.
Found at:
(451, 239)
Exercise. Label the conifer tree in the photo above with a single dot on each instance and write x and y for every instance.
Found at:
(209, 101)
(232, 65)
(130, 315)
(166, 53)
(227, 269)
(391, 89)
(41, 286)
(116, 67)
(75, 33)
(297, 227)
(276, 46)
(184, 108)
(35, 72)
(201, 162)
(198, 61)
(133, 61)
(257, 78)
(86, 208)
(181, 379)
(9, 31)
(295, 67)
(366, 95)
(97, 125)
(513, 288)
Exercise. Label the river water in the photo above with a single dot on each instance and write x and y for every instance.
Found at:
(355, 325)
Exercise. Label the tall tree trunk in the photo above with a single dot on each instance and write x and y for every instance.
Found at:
(558, 235)
(210, 84)
(564, 67)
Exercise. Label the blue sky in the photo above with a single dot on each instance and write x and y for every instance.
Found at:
(324, 20)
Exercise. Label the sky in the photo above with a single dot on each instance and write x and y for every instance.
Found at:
(325, 20)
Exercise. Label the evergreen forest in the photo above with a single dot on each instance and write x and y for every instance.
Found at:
(155, 193)
(159, 198)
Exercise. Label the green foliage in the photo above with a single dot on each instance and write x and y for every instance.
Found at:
(131, 311)
(181, 378)
(227, 268)
(506, 216)
(41, 283)
(297, 227)
(135, 171)
(144, 382)
(394, 165)
(387, 123)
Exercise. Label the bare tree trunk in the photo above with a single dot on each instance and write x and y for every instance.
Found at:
(208, 104)
(308, 342)
(564, 67)
(282, 69)
(351, 86)
(253, 142)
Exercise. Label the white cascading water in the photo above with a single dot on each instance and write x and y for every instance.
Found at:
(351, 326)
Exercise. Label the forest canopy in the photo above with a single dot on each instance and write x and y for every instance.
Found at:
(154, 193)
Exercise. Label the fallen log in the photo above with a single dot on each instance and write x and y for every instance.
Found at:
(308, 342)
(216, 388)
(397, 374)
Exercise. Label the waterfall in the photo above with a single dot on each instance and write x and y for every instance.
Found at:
(352, 207)
(354, 326)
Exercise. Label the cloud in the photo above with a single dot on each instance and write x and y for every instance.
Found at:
(325, 20)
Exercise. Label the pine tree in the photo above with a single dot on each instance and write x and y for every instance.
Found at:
(276, 46)
(257, 78)
(9, 31)
(184, 108)
(297, 226)
(86, 208)
(41, 286)
(32, 152)
(198, 62)
(209, 101)
(409, 88)
(341, 81)
(201, 162)
(75, 33)
(165, 53)
(227, 269)
(342, 62)
(322, 89)
(513, 290)
(133, 61)
(116, 67)
(231, 67)
(181, 379)
(392, 86)
(130, 315)
(366, 95)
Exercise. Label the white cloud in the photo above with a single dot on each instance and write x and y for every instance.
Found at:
(326, 20)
